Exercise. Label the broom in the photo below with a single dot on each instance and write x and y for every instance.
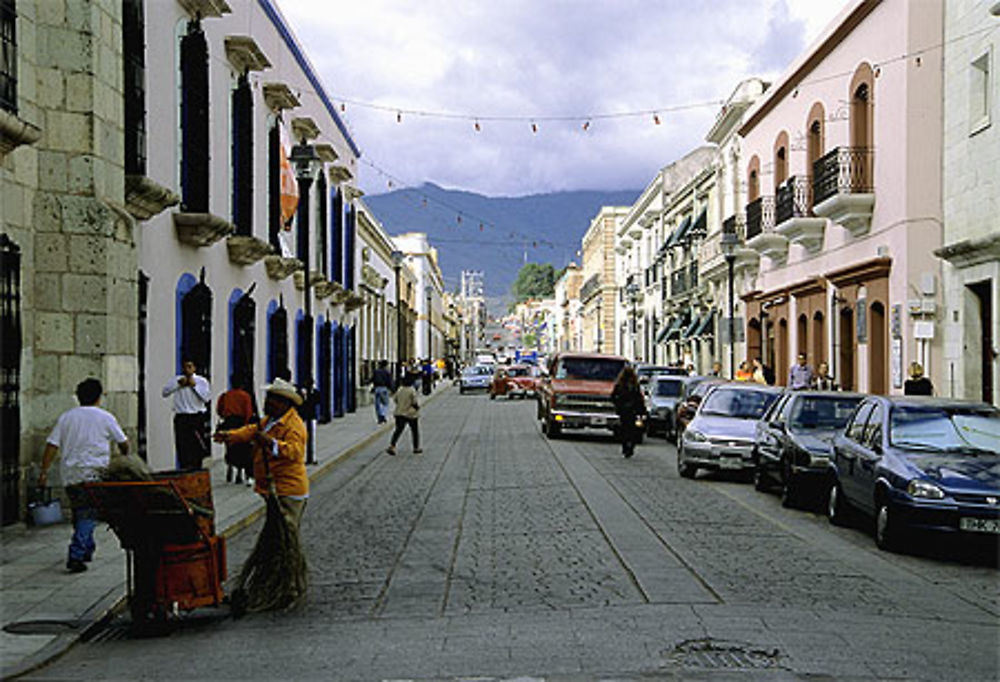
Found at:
(275, 575)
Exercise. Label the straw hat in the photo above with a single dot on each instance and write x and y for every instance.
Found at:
(284, 389)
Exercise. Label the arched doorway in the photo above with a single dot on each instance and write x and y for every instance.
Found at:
(814, 138)
(196, 328)
(325, 370)
(277, 343)
(242, 331)
(802, 335)
(846, 360)
(861, 128)
(782, 366)
(753, 341)
(339, 371)
(753, 179)
(877, 350)
(818, 339)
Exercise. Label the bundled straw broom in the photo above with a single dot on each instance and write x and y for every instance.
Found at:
(275, 575)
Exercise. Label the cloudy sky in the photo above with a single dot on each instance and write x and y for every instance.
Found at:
(443, 65)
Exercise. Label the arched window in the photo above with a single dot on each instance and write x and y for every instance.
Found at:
(753, 179)
(814, 136)
(862, 128)
(242, 328)
(780, 160)
(195, 142)
(195, 324)
(277, 342)
(803, 334)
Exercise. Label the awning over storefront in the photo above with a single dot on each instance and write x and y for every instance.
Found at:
(692, 328)
(707, 325)
(670, 330)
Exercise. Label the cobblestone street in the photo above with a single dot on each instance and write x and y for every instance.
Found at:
(500, 554)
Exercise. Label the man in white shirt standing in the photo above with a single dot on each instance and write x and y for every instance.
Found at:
(192, 397)
(83, 436)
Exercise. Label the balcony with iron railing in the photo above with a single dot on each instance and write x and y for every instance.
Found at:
(843, 187)
(794, 218)
(760, 234)
(590, 288)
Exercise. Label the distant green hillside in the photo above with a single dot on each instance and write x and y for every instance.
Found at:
(541, 228)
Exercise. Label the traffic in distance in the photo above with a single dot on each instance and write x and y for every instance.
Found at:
(909, 468)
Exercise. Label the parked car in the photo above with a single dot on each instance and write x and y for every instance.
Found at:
(576, 392)
(513, 381)
(646, 372)
(687, 407)
(475, 378)
(663, 394)
(794, 441)
(919, 464)
(721, 435)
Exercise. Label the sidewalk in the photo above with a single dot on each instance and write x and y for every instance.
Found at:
(55, 608)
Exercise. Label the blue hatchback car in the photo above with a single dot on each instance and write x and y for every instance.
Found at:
(926, 464)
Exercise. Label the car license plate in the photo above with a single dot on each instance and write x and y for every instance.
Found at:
(599, 421)
(980, 525)
(730, 461)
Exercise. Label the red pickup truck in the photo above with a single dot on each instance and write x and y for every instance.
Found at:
(576, 393)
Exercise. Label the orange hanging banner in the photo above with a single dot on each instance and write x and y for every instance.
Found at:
(289, 190)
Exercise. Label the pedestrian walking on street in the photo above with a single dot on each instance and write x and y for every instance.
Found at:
(236, 409)
(192, 396)
(630, 407)
(276, 574)
(917, 384)
(82, 437)
(381, 387)
(407, 413)
(427, 383)
(800, 375)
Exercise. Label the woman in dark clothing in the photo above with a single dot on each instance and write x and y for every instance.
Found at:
(631, 407)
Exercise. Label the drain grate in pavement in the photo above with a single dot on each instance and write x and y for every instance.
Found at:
(112, 632)
(713, 654)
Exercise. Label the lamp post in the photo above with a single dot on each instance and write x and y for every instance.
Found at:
(306, 162)
(730, 242)
(397, 264)
(632, 291)
(430, 354)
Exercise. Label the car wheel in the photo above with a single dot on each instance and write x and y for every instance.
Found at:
(461, 390)
(760, 482)
(887, 531)
(492, 396)
(552, 429)
(789, 490)
(837, 509)
(685, 469)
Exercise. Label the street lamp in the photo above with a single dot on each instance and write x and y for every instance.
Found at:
(397, 264)
(730, 242)
(430, 357)
(307, 162)
(632, 291)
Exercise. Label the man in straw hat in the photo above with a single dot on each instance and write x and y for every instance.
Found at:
(279, 441)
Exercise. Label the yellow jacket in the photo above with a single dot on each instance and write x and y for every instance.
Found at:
(288, 469)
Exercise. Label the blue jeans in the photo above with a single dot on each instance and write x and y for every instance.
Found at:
(381, 403)
(81, 545)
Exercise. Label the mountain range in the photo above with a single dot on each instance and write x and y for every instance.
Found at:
(496, 235)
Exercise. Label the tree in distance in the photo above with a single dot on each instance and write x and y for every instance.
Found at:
(535, 280)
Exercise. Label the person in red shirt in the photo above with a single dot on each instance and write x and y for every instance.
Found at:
(236, 409)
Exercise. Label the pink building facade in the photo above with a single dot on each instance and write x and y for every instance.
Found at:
(842, 170)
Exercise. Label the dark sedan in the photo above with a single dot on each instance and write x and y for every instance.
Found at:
(794, 441)
(663, 394)
(924, 464)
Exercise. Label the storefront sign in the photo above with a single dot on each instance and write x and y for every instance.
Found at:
(896, 363)
(896, 321)
(861, 317)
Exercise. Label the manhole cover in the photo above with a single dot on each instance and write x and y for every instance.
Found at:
(43, 627)
(713, 654)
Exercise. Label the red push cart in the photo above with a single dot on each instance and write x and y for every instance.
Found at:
(174, 560)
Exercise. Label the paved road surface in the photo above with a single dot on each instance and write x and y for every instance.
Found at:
(500, 554)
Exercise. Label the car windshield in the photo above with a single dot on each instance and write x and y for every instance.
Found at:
(945, 429)
(476, 371)
(594, 369)
(668, 389)
(518, 372)
(741, 404)
(822, 412)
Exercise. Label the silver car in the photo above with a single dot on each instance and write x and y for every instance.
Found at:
(721, 435)
(475, 378)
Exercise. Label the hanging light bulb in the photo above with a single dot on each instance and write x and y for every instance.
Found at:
(656, 119)
(390, 184)
(534, 127)
(478, 128)
(343, 107)
(586, 125)
(480, 227)
(399, 117)
(459, 218)
(425, 202)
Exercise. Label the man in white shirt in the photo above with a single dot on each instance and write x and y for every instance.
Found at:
(192, 397)
(83, 436)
